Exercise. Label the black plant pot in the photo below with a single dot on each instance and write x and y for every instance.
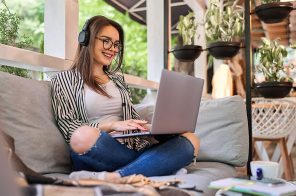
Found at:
(273, 12)
(223, 50)
(274, 89)
(187, 52)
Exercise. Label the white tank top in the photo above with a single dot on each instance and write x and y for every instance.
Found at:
(100, 108)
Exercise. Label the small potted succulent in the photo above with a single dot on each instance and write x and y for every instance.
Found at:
(185, 49)
(273, 11)
(224, 22)
(276, 82)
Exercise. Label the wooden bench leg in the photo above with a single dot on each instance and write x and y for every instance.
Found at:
(291, 164)
(286, 159)
(254, 150)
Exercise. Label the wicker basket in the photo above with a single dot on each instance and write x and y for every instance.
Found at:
(273, 118)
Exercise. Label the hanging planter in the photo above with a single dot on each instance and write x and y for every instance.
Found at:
(187, 52)
(274, 12)
(274, 89)
(223, 25)
(185, 49)
(223, 50)
(278, 83)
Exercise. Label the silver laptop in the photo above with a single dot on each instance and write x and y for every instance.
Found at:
(177, 105)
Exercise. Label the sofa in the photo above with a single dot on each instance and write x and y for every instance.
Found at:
(26, 115)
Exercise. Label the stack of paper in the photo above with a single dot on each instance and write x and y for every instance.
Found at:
(253, 187)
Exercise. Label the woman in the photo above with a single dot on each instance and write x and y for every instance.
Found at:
(91, 101)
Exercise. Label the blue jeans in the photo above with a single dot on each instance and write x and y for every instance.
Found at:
(164, 158)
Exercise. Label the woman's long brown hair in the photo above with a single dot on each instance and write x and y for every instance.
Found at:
(83, 60)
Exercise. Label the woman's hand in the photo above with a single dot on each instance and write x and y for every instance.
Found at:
(129, 125)
(147, 126)
(124, 125)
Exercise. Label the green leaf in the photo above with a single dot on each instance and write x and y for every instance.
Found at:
(187, 27)
(272, 59)
(224, 19)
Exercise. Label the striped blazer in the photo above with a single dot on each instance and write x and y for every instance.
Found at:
(68, 102)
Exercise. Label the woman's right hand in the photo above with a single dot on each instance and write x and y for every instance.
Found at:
(120, 126)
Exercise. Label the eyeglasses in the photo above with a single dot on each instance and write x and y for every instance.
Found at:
(107, 44)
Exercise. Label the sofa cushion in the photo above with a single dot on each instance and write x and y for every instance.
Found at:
(222, 128)
(200, 175)
(26, 115)
(16, 163)
(8, 184)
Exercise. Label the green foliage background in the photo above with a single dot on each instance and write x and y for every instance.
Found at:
(17, 21)
(32, 23)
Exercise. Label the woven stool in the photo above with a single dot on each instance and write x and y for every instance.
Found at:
(273, 120)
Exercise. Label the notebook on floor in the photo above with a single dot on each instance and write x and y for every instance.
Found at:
(177, 105)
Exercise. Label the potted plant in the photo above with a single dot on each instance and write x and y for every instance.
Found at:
(185, 50)
(273, 11)
(224, 22)
(277, 83)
